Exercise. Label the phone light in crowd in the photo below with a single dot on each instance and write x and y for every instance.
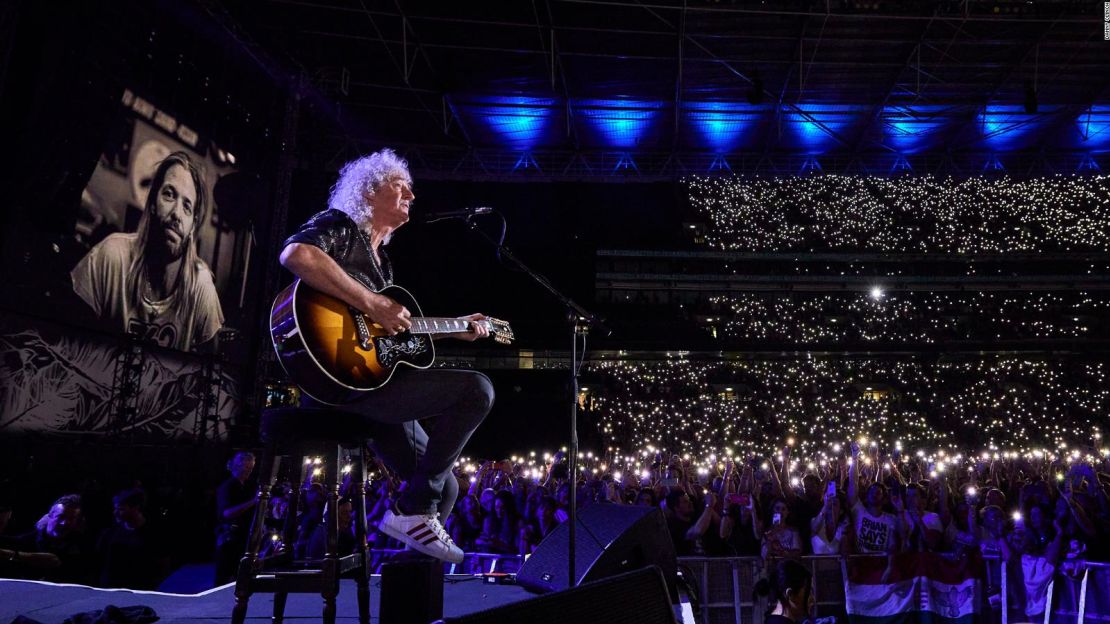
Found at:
(810, 466)
(617, 476)
(1059, 476)
(317, 472)
(898, 445)
(1017, 517)
(863, 441)
(645, 475)
(971, 491)
(790, 441)
(795, 481)
(318, 461)
(764, 466)
(836, 447)
(940, 467)
(274, 537)
(920, 453)
(876, 293)
(347, 469)
(547, 456)
(473, 479)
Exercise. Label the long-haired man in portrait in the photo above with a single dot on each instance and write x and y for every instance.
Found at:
(151, 282)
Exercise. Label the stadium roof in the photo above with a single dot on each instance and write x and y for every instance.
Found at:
(585, 88)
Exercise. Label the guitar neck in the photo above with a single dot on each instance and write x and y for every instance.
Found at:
(437, 325)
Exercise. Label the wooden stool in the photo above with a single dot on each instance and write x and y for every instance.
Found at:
(298, 431)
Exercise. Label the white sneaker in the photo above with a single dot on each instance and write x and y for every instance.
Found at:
(421, 532)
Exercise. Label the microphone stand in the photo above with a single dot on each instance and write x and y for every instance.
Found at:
(580, 321)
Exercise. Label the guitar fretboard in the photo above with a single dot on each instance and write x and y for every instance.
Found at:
(432, 325)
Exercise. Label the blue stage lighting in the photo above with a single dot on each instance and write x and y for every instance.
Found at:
(723, 126)
(1094, 127)
(621, 123)
(811, 126)
(516, 122)
(913, 129)
(1006, 127)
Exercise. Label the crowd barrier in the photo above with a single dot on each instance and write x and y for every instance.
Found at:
(725, 587)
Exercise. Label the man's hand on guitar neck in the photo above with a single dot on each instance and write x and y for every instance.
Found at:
(393, 317)
(477, 330)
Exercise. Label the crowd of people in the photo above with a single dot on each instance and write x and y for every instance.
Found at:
(905, 317)
(919, 214)
(705, 407)
(133, 552)
(1048, 511)
(864, 501)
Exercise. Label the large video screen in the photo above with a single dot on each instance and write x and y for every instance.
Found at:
(164, 249)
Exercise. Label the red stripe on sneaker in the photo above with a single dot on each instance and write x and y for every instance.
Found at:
(420, 528)
(430, 540)
(422, 535)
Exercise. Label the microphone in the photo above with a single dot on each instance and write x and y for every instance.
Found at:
(465, 213)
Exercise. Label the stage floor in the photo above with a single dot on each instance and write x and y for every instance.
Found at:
(51, 603)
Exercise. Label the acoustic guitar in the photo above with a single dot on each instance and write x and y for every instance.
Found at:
(337, 355)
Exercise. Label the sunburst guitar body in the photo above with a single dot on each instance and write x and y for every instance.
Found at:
(337, 355)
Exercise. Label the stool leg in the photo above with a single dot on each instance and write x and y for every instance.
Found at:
(239, 613)
(249, 563)
(330, 565)
(279, 606)
(362, 573)
(289, 530)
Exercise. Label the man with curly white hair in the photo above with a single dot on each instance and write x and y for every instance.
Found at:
(340, 252)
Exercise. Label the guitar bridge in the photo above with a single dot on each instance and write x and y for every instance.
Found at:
(362, 331)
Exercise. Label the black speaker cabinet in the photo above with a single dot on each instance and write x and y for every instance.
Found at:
(638, 597)
(609, 539)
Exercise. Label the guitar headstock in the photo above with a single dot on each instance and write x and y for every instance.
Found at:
(500, 331)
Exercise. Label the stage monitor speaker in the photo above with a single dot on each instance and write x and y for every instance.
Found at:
(609, 539)
(638, 597)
